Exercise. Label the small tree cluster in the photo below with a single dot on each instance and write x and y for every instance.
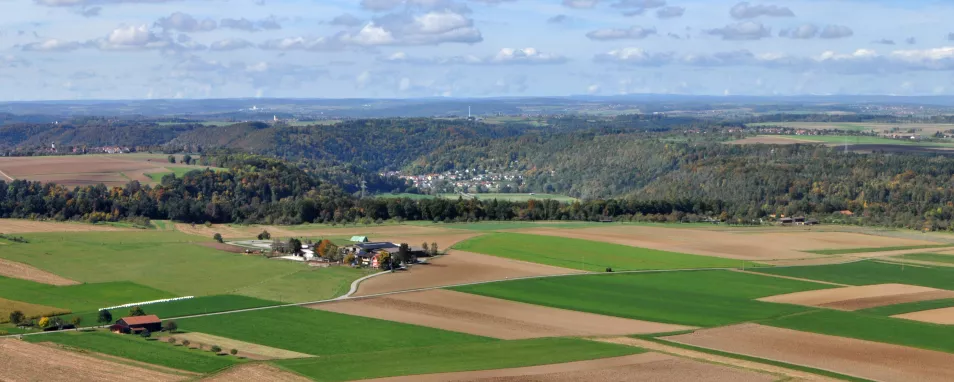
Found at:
(136, 311)
(17, 317)
(264, 235)
(172, 326)
(215, 349)
(217, 237)
(105, 317)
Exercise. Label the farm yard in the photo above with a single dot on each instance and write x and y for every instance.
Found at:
(83, 170)
(508, 301)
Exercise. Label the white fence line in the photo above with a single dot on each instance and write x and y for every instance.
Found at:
(147, 303)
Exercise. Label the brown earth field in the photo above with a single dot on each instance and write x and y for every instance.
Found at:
(246, 349)
(23, 361)
(17, 270)
(255, 372)
(16, 226)
(456, 267)
(943, 316)
(491, 317)
(640, 367)
(864, 359)
(771, 140)
(80, 170)
(753, 245)
(861, 297)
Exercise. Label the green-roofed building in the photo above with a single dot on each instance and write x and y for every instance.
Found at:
(360, 239)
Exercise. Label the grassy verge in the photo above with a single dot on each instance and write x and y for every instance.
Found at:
(871, 328)
(138, 349)
(585, 254)
(872, 272)
(824, 373)
(698, 298)
(452, 358)
(848, 251)
(910, 307)
(322, 333)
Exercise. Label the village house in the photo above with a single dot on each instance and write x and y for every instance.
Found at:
(137, 324)
(369, 253)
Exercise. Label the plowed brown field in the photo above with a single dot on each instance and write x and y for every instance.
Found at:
(256, 372)
(17, 226)
(457, 267)
(753, 245)
(81, 170)
(640, 367)
(864, 359)
(943, 316)
(23, 361)
(861, 297)
(374, 232)
(491, 317)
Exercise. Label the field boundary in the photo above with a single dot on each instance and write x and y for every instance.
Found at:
(6, 176)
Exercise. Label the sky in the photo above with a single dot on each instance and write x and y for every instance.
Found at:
(156, 49)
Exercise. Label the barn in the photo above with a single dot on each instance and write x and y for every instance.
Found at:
(137, 324)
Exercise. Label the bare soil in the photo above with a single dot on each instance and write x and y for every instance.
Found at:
(17, 270)
(864, 359)
(640, 367)
(246, 349)
(78, 170)
(756, 245)
(491, 317)
(861, 297)
(255, 372)
(17, 226)
(23, 361)
(943, 316)
(457, 267)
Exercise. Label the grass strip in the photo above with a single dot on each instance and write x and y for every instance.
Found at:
(848, 251)
(910, 307)
(455, 358)
(932, 257)
(870, 273)
(824, 373)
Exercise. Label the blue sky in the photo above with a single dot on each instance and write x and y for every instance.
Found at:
(135, 49)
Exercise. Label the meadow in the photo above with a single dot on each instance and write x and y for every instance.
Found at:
(311, 284)
(585, 254)
(697, 298)
(871, 328)
(513, 197)
(928, 128)
(507, 225)
(322, 333)
(848, 251)
(872, 272)
(139, 349)
(78, 298)
(171, 262)
(451, 358)
(198, 305)
(911, 307)
(178, 171)
(932, 257)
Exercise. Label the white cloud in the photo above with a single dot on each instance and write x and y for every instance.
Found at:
(185, 23)
(230, 44)
(633, 33)
(506, 56)
(836, 31)
(744, 10)
(635, 56)
(748, 30)
(670, 12)
(580, 4)
(53, 45)
(804, 31)
(397, 29)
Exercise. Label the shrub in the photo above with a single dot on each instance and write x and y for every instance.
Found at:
(105, 317)
(146, 333)
(608, 269)
(233, 351)
(217, 237)
(186, 343)
(171, 340)
(172, 326)
(3, 332)
(136, 311)
(208, 224)
(264, 235)
(215, 349)
(16, 317)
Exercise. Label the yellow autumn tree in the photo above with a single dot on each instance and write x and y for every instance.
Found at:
(44, 322)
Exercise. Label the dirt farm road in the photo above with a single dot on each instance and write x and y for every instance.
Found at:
(3, 174)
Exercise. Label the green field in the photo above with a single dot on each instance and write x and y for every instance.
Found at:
(932, 257)
(872, 328)
(78, 298)
(172, 262)
(198, 305)
(861, 140)
(871, 272)
(514, 197)
(138, 349)
(928, 128)
(910, 307)
(322, 333)
(698, 298)
(451, 358)
(404, 195)
(585, 254)
(313, 284)
(848, 251)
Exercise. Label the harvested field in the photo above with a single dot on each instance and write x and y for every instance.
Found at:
(256, 372)
(457, 267)
(861, 297)
(731, 244)
(29, 310)
(864, 359)
(943, 316)
(23, 361)
(17, 226)
(770, 140)
(640, 367)
(230, 231)
(17, 270)
(81, 170)
(246, 349)
(491, 317)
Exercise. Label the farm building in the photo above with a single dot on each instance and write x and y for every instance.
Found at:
(367, 253)
(360, 239)
(137, 324)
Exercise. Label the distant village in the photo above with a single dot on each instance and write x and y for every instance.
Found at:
(469, 180)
